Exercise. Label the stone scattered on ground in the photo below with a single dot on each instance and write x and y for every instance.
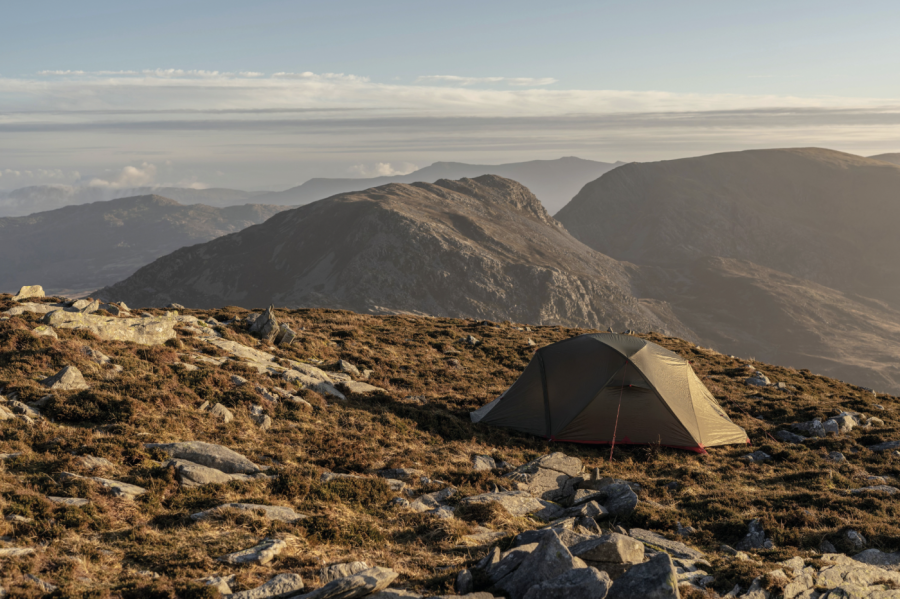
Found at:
(433, 503)
(755, 538)
(220, 412)
(16, 551)
(67, 379)
(28, 292)
(152, 330)
(579, 583)
(357, 585)
(45, 331)
(552, 477)
(265, 325)
(336, 571)
(655, 579)
(756, 456)
(547, 561)
(263, 553)
(272, 512)
(481, 463)
(518, 503)
(360, 388)
(70, 501)
(208, 454)
(813, 428)
(758, 379)
(281, 586)
(117, 488)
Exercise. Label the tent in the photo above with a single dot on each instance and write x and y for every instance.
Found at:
(608, 388)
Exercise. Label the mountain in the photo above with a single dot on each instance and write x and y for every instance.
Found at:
(554, 182)
(811, 213)
(893, 158)
(83, 247)
(480, 248)
(40, 198)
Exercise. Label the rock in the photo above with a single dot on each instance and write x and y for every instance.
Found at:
(319, 386)
(856, 540)
(120, 310)
(518, 503)
(45, 331)
(530, 342)
(836, 456)
(590, 510)
(432, 501)
(886, 446)
(220, 583)
(658, 542)
(336, 571)
(612, 548)
(283, 585)
(265, 326)
(6, 414)
(238, 381)
(285, 335)
(873, 421)
(827, 547)
(548, 560)
(401, 473)
(208, 454)
(220, 412)
(358, 585)
(481, 463)
(465, 583)
(755, 539)
(789, 437)
(174, 306)
(259, 554)
(358, 388)
(272, 512)
(581, 583)
(758, 379)
(18, 407)
(845, 422)
(152, 330)
(617, 498)
(118, 489)
(95, 355)
(552, 477)
(874, 557)
(756, 456)
(348, 368)
(813, 428)
(27, 292)
(190, 474)
(70, 501)
(17, 519)
(67, 379)
(876, 489)
(831, 426)
(655, 579)
(401, 594)
(471, 340)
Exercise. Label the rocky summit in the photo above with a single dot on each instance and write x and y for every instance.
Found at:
(348, 466)
(479, 248)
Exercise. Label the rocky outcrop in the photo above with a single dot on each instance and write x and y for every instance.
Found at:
(208, 454)
(28, 292)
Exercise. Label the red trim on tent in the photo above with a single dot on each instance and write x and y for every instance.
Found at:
(697, 449)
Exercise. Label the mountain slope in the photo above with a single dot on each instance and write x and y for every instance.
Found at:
(483, 248)
(80, 248)
(554, 182)
(892, 158)
(811, 213)
(40, 198)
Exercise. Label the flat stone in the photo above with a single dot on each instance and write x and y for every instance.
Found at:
(359, 388)
(117, 488)
(319, 386)
(90, 462)
(611, 547)
(190, 474)
(886, 446)
(876, 489)
(658, 542)
(272, 512)
(67, 379)
(483, 463)
(358, 585)
(28, 292)
(6, 414)
(519, 503)
(283, 585)
(874, 557)
(590, 509)
(336, 571)
(16, 551)
(549, 477)
(153, 330)
(45, 331)
(585, 495)
(580, 583)
(348, 368)
(548, 560)
(70, 501)
(655, 579)
(259, 554)
(219, 583)
(432, 501)
(208, 454)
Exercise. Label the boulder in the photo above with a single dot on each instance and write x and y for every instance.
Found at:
(27, 292)
(875, 557)
(756, 456)
(118, 489)
(272, 512)
(16, 551)
(886, 446)
(265, 326)
(836, 456)
(285, 335)
(67, 379)
(755, 538)
(813, 428)
(580, 583)
(348, 368)
(552, 477)
(152, 330)
(655, 579)
(358, 585)
(208, 454)
(518, 503)
(283, 585)
(259, 554)
(359, 388)
(658, 542)
(831, 426)
(432, 501)
(611, 547)
(590, 509)
(319, 386)
(190, 474)
(465, 582)
(876, 489)
(220, 412)
(220, 583)
(856, 540)
(6, 415)
(336, 571)
(45, 331)
(548, 560)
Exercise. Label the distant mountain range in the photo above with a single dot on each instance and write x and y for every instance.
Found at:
(553, 181)
(482, 248)
(893, 158)
(80, 248)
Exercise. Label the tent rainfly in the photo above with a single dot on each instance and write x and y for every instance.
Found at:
(607, 388)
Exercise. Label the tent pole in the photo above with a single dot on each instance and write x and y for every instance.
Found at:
(616, 427)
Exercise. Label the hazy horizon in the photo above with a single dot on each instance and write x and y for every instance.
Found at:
(265, 97)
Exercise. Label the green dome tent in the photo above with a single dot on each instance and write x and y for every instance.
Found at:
(608, 388)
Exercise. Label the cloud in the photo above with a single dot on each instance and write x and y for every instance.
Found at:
(517, 81)
(383, 169)
(130, 176)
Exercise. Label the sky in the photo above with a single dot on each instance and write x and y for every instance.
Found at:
(266, 95)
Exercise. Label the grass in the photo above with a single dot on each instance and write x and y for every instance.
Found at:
(107, 548)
